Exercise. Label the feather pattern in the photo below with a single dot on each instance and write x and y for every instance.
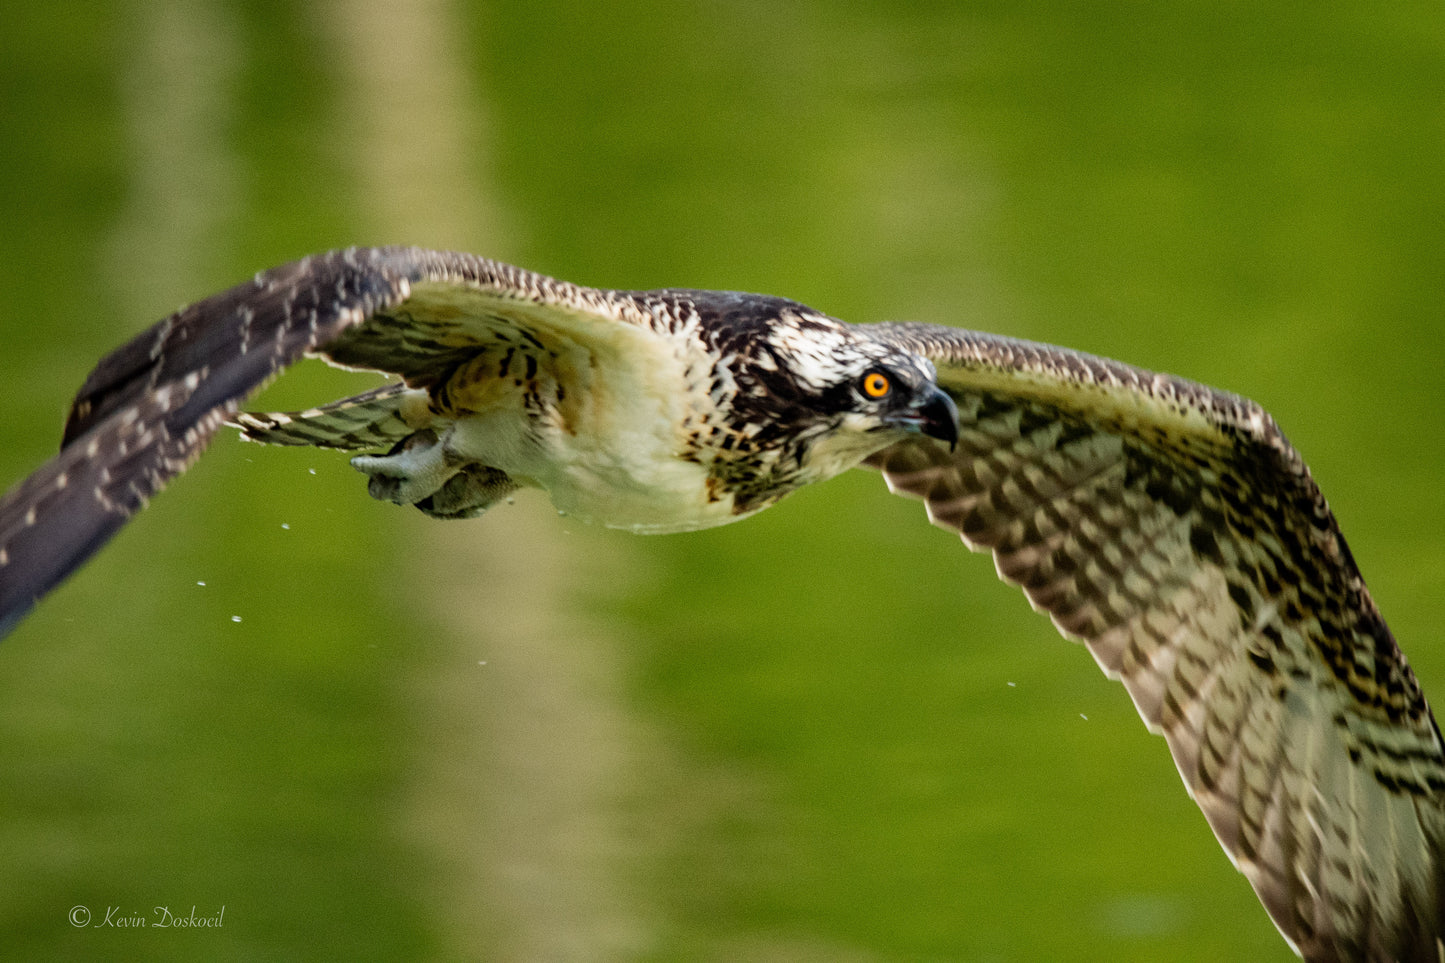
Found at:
(1172, 529)
(151, 407)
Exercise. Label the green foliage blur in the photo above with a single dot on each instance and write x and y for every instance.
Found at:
(825, 734)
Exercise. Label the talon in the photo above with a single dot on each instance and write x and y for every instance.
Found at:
(383, 489)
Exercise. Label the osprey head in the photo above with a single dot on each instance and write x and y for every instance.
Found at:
(815, 396)
(864, 393)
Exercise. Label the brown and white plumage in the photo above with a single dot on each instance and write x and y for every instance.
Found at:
(1175, 531)
(1168, 526)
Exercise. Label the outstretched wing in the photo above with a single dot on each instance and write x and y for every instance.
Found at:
(1175, 531)
(150, 407)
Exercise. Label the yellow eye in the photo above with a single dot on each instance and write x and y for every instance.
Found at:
(876, 384)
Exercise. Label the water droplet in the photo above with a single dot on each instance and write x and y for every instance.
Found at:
(235, 618)
(286, 526)
(1084, 717)
(201, 584)
(1013, 685)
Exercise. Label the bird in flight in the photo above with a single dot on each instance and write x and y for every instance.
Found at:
(1168, 526)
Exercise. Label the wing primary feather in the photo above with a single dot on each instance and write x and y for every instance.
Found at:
(150, 407)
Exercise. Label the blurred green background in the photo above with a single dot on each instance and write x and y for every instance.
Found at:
(826, 734)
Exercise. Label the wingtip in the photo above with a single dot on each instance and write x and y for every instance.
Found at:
(11, 619)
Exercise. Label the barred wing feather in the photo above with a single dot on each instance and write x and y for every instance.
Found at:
(1174, 531)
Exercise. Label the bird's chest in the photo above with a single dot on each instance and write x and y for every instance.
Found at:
(612, 440)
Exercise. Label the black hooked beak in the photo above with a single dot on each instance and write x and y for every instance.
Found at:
(935, 415)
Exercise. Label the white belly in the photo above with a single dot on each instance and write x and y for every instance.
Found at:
(641, 492)
(612, 458)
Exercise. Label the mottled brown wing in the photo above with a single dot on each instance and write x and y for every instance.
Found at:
(151, 407)
(1174, 531)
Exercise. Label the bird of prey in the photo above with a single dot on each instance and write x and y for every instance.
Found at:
(1169, 527)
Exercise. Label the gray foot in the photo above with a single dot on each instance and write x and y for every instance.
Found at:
(410, 472)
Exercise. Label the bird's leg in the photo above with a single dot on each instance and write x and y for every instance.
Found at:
(414, 469)
(422, 471)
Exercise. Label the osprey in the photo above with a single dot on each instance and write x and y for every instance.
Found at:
(1169, 527)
